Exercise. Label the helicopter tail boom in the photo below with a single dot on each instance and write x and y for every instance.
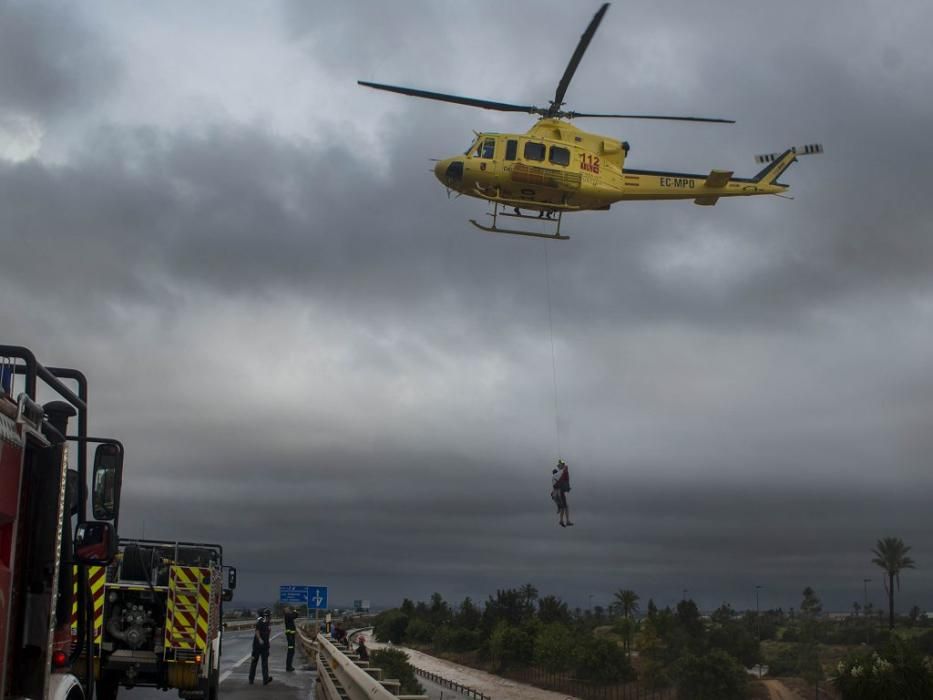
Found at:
(779, 162)
(770, 173)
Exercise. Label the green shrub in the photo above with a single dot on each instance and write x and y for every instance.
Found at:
(390, 626)
(900, 672)
(785, 663)
(924, 643)
(602, 661)
(712, 676)
(419, 632)
(654, 675)
(737, 640)
(555, 648)
(394, 664)
(510, 645)
(449, 638)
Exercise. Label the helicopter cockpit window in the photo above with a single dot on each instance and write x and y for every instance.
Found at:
(485, 149)
(511, 149)
(534, 151)
(560, 156)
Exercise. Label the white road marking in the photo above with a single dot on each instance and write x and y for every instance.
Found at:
(226, 674)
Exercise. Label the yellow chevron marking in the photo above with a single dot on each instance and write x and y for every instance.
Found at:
(188, 608)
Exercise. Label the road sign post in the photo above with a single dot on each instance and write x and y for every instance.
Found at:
(312, 596)
(317, 599)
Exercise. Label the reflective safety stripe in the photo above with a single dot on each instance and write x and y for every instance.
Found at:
(97, 576)
(188, 608)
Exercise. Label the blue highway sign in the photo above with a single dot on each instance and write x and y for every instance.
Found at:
(317, 597)
(295, 594)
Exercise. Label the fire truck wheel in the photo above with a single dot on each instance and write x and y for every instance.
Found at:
(213, 688)
(108, 687)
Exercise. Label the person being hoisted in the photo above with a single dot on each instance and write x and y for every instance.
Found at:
(560, 483)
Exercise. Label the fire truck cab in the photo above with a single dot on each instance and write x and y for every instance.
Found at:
(47, 540)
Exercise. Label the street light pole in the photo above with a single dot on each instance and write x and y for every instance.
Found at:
(758, 625)
(684, 597)
(866, 581)
(758, 613)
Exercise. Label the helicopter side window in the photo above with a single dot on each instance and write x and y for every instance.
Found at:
(560, 156)
(511, 149)
(488, 149)
(534, 151)
(485, 149)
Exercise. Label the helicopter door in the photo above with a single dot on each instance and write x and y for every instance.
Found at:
(485, 149)
(486, 153)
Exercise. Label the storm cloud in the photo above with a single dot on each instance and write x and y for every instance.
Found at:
(315, 360)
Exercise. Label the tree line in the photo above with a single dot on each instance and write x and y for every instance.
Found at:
(704, 656)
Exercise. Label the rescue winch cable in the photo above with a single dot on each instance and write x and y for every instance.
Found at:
(550, 319)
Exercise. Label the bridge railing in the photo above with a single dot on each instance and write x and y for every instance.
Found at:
(453, 685)
(343, 676)
(245, 623)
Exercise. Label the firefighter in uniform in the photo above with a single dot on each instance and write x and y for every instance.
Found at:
(261, 647)
(290, 617)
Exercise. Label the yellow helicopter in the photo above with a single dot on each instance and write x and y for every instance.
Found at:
(556, 168)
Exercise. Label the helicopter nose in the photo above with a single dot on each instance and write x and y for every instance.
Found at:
(449, 171)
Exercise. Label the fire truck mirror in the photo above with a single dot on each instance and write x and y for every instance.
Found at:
(95, 543)
(231, 577)
(108, 475)
(228, 595)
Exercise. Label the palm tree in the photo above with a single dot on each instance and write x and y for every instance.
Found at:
(891, 555)
(627, 602)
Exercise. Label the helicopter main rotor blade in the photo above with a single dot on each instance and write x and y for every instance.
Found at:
(456, 99)
(574, 115)
(575, 61)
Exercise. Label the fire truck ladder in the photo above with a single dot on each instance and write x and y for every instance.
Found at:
(182, 614)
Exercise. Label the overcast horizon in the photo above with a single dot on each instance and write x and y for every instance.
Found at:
(313, 359)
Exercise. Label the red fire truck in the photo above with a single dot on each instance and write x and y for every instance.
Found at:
(47, 540)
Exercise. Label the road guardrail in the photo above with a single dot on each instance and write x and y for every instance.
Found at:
(453, 685)
(344, 676)
(235, 625)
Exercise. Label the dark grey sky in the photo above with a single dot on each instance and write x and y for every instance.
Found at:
(315, 360)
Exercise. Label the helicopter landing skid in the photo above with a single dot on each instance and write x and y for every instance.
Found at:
(517, 232)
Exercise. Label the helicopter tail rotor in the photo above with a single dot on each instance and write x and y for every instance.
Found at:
(779, 162)
(809, 149)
